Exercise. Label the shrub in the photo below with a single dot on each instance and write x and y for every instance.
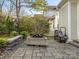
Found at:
(41, 26)
(14, 33)
(9, 24)
(24, 33)
(6, 24)
(26, 23)
(35, 25)
(2, 42)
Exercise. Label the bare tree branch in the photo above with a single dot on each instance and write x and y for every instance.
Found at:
(1, 5)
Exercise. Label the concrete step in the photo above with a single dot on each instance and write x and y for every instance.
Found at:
(75, 43)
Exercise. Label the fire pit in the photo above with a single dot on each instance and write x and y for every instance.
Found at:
(43, 41)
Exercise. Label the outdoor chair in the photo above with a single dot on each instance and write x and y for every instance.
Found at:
(62, 36)
(56, 34)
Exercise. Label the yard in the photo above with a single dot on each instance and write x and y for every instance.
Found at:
(27, 31)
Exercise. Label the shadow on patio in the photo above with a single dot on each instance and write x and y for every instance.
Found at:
(54, 50)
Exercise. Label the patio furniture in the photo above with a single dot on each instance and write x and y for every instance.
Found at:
(56, 34)
(62, 35)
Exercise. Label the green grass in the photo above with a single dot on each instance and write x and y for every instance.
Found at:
(4, 37)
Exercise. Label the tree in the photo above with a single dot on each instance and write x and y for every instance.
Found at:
(9, 24)
(2, 23)
(1, 4)
(26, 23)
(40, 5)
(6, 24)
(35, 25)
(40, 25)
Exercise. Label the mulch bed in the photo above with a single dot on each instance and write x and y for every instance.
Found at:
(2, 50)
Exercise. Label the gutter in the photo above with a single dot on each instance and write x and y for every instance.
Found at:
(58, 6)
(61, 3)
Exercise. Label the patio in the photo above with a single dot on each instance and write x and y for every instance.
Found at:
(27, 18)
(54, 50)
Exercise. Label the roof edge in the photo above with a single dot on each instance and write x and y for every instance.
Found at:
(61, 3)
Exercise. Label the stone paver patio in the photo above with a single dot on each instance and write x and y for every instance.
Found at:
(54, 50)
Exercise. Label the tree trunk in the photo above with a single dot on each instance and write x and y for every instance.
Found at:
(18, 13)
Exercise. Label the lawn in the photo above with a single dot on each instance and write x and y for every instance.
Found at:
(5, 37)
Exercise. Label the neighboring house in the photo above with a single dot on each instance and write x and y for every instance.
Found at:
(52, 16)
(52, 12)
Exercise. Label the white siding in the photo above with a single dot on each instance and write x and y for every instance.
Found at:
(73, 21)
(78, 19)
(63, 16)
(68, 18)
(60, 18)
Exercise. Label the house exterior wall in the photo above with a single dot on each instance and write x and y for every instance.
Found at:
(73, 20)
(63, 16)
(68, 18)
(56, 19)
(77, 19)
(60, 18)
(51, 13)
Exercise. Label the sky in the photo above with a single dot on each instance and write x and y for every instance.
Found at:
(53, 2)
(50, 2)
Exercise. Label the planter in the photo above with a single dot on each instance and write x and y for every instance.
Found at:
(13, 41)
(37, 41)
(10, 43)
(37, 35)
